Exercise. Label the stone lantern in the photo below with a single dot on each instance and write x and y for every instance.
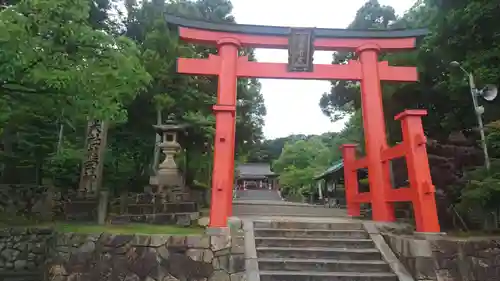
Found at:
(168, 175)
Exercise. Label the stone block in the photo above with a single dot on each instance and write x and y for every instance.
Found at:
(131, 277)
(144, 262)
(445, 275)
(176, 241)
(194, 216)
(158, 240)
(162, 219)
(220, 242)
(208, 256)
(87, 247)
(169, 278)
(183, 219)
(119, 219)
(420, 248)
(195, 254)
(116, 241)
(240, 276)
(202, 242)
(220, 275)
(221, 263)
(163, 252)
(140, 241)
(424, 268)
(236, 263)
(204, 221)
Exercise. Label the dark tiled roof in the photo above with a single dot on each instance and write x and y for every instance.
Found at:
(254, 169)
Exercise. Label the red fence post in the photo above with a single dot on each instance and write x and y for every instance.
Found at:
(351, 179)
(419, 175)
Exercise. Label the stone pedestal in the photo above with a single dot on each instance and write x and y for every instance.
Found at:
(81, 206)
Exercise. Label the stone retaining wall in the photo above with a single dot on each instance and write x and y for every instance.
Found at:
(446, 259)
(146, 257)
(23, 249)
(90, 257)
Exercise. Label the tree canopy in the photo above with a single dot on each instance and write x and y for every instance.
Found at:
(66, 62)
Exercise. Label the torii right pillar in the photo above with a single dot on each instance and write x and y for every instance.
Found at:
(378, 154)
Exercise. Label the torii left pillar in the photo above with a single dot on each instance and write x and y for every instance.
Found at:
(225, 126)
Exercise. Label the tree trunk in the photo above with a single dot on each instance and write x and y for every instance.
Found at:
(157, 152)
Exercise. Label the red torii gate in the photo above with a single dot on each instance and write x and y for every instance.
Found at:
(228, 66)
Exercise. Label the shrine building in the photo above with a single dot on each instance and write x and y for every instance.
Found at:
(256, 176)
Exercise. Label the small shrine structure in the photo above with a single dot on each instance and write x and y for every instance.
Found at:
(256, 176)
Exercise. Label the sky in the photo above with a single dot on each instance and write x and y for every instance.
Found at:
(293, 105)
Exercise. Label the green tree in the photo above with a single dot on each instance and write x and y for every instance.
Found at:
(299, 162)
(55, 66)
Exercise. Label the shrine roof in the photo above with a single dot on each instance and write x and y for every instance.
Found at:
(285, 31)
(335, 167)
(254, 169)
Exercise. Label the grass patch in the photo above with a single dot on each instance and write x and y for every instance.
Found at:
(127, 229)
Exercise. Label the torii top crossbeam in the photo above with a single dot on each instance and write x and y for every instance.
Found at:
(276, 37)
(258, 36)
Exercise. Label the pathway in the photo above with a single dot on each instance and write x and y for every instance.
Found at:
(258, 203)
(243, 195)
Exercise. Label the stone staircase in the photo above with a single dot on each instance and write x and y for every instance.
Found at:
(315, 251)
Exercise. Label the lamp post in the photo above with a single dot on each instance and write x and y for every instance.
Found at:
(489, 93)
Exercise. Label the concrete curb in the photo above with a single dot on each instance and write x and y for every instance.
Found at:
(387, 254)
(251, 264)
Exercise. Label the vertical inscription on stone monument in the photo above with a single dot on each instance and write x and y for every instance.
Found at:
(301, 50)
(94, 140)
(92, 163)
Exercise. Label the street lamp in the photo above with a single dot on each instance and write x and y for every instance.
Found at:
(489, 93)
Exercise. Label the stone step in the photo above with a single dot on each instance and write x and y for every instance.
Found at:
(323, 265)
(310, 233)
(325, 276)
(308, 225)
(319, 253)
(314, 242)
(285, 210)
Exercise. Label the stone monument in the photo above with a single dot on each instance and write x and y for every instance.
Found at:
(91, 173)
(83, 204)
